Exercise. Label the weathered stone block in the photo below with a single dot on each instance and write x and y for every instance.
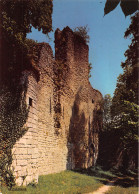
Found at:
(19, 181)
(22, 162)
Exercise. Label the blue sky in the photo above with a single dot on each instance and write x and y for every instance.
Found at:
(107, 44)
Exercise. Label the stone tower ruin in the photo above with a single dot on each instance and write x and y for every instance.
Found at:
(64, 112)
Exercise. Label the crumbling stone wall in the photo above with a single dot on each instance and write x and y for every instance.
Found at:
(62, 124)
(80, 103)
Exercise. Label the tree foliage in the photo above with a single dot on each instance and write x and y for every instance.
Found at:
(107, 101)
(17, 18)
(127, 85)
(125, 101)
(128, 6)
(119, 137)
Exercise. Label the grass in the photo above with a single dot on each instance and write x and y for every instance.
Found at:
(122, 190)
(126, 183)
(81, 181)
(103, 175)
(60, 183)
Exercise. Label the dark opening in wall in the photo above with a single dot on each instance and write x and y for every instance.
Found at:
(93, 101)
(30, 101)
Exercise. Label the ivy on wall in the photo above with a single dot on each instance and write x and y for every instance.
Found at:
(60, 73)
(13, 116)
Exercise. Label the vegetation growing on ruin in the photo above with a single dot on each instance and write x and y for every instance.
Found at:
(60, 73)
(89, 67)
(82, 31)
(13, 116)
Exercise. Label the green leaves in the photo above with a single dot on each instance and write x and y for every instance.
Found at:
(89, 67)
(26, 14)
(17, 17)
(128, 6)
(13, 116)
(107, 101)
(120, 125)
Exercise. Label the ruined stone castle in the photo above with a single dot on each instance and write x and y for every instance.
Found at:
(64, 112)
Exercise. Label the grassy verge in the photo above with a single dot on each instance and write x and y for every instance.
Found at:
(122, 190)
(81, 181)
(64, 182)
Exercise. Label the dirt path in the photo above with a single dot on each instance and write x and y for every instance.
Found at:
(104, 188)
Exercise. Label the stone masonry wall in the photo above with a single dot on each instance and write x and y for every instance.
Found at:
(62, 124)
(25, 151)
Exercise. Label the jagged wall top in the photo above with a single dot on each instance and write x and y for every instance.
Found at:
(71, 49)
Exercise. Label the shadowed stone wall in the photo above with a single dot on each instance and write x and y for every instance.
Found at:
(64, 115)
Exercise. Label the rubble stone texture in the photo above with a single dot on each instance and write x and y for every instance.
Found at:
(62, 123)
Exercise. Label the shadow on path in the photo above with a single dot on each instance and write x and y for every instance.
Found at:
(108, 178)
